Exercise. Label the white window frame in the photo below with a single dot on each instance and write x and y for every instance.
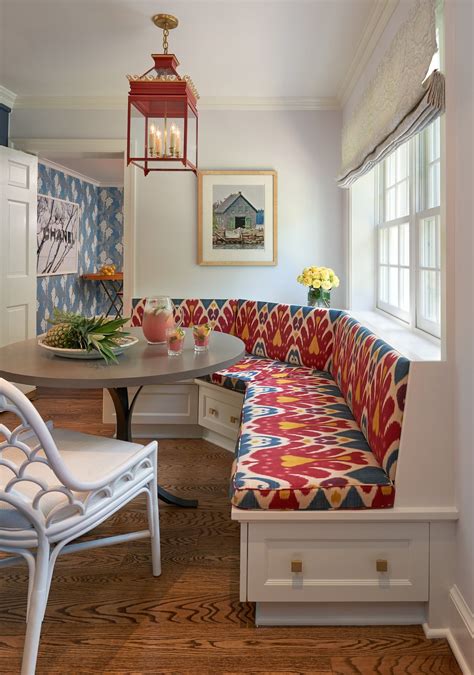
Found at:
(417, 199)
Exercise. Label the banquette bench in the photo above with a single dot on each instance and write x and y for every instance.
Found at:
(344, 498)
(323, 405)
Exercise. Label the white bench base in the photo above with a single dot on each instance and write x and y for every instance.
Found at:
(337, 552)
(190, 409)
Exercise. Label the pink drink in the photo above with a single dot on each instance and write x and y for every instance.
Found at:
(155, 324)
(175, 339)
(201, 335)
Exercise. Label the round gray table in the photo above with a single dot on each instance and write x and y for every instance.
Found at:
(27, 363)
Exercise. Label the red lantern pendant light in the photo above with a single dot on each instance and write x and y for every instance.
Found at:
(162, 113)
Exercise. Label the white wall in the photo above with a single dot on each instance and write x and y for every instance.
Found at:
(304, 148)
(459, 22)
(361, 244)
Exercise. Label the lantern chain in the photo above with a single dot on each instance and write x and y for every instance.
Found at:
(165, 40)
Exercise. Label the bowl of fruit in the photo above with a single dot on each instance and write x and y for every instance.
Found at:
(109, 270)
(74, 336)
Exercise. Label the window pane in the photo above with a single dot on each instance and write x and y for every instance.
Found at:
(402, 199)
(383, 245)
(433, 199)
(433, 141)
(393, 286)
(402, 162)
(390, 170)
(405, 244)
(383, 283)
(428, 242)
(390, 204)
(429, 295)
(393, 245)
(405, 289)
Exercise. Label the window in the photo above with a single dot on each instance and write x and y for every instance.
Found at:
(408, 232)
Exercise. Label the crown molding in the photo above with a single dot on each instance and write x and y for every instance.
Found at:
(72, 102)
(74, 147)
(7, 97)
(206, 103)
(267, 103)
(380, 16)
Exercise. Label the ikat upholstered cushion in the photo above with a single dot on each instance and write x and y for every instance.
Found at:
(253, 368)
(373, 379)
(300, 448)
(298, 335)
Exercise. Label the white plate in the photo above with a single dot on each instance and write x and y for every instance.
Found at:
(126, 342)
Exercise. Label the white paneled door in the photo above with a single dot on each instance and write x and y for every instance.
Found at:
(18, 192)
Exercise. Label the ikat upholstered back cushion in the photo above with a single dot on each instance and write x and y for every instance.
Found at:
(194, 311)
(298, 335)
(373, 379)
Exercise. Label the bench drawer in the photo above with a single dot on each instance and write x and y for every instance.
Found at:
(338, 562)
(220, 411)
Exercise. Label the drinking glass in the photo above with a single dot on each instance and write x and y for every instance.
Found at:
(202, 334)
(175, 340)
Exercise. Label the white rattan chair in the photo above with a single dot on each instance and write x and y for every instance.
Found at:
(56, 485)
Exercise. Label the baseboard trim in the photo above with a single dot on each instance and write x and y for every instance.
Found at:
(339, 613)
(460, 634)
(463, 609)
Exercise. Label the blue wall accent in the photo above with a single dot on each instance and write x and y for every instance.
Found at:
(100, 240)
(110, 231)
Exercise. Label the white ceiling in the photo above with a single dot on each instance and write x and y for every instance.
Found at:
(231, 48)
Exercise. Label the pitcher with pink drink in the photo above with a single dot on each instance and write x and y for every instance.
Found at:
(158, 316)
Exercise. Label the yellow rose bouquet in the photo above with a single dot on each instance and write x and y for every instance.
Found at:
(320, 281)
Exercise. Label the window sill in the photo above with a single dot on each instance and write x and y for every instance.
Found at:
(413, 345)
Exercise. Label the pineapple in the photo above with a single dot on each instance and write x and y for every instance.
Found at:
(61, 335)
(79, 332)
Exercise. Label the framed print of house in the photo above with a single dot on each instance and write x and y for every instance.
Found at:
(237, 217)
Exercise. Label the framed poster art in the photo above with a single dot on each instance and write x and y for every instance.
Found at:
(237, 217)
(57, 236)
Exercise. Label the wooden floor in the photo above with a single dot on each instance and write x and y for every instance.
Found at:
(108, 614)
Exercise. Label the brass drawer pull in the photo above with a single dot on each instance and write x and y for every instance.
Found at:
(233, 419)
(213, 412)
(381, 565)
(296, 566)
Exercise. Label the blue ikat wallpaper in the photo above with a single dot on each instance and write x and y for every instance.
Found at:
(100, 241)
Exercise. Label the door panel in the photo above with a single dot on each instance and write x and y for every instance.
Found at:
(18, 243)
(18, 173)
(18, 193)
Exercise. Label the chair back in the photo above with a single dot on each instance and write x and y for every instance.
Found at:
(31, 469)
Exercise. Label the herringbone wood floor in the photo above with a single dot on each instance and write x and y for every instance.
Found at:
(107, 614)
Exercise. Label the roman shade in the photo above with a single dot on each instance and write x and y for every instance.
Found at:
(400, 100)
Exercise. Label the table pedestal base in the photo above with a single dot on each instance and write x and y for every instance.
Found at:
(123, 411)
